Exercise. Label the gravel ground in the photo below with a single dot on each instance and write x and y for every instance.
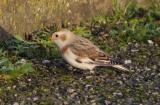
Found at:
(56, 83)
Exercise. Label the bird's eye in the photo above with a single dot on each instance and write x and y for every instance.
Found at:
(56, 36)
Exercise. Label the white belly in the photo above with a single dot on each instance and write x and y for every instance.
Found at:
(71, 59)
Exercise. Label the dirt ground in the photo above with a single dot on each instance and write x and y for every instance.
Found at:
(57, 83)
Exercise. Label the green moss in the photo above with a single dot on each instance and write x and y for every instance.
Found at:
(67, 79)
(10, 70)
(82, 31)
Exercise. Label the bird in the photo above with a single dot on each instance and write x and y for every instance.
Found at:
(81, 53)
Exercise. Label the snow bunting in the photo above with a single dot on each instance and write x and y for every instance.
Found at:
(82, 53)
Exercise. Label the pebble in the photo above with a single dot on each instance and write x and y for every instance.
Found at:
(35, 98)
(134, 50)
(89, 77)
(137, 45)
(147, 69)
(129, 100)
(46, 61)
(79, 102)
(107, 102)
(87, 86)
(150, 42)
(28, 98)
(94, 103)
(127, 61)
(65, 103)
(73, 95)
(14, 86)
(117, 94)
(15, 103)
(154, 67)
(23, 61)
(8, 88)
(29, 79)
(70, 90)
(155, 93)
(120, 82)
(15, 95)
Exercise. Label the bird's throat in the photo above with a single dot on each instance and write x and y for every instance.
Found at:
(64, 49)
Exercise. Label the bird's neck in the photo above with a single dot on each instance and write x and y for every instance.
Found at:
(64, 49)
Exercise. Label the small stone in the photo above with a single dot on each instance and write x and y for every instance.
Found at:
(137, 79)
(92, 71)
(154, 67)
(136, 45)
(8, 88)
(28, 98)
(107, 102)
(79, 102)
(23, 61)
(35, 98)
(71, 90)
(127, 61)
(71, 68)
(29, 79)
(129, 100)
(15, 103)
(93, 102)
(134, 50)
(117, 94)
(73, 95)
(87, 86)
(120, 82)
(14, 86)
(15, 95)
(89, 77)
(155, 93)
(65, 103)
(46, 61)
(147, 69)
(150, 42)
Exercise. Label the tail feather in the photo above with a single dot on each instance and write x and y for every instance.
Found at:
(121, 67)
(111, 63)
(108, 64)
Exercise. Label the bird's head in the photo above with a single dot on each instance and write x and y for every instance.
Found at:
(62, 38)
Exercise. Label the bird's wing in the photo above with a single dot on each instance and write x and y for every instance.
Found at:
(84, 48)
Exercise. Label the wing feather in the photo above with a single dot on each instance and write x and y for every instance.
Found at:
(84, 48)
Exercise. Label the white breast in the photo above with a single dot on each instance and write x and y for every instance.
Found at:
(71, 59)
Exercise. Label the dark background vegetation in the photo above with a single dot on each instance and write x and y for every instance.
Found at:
(33, 72)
